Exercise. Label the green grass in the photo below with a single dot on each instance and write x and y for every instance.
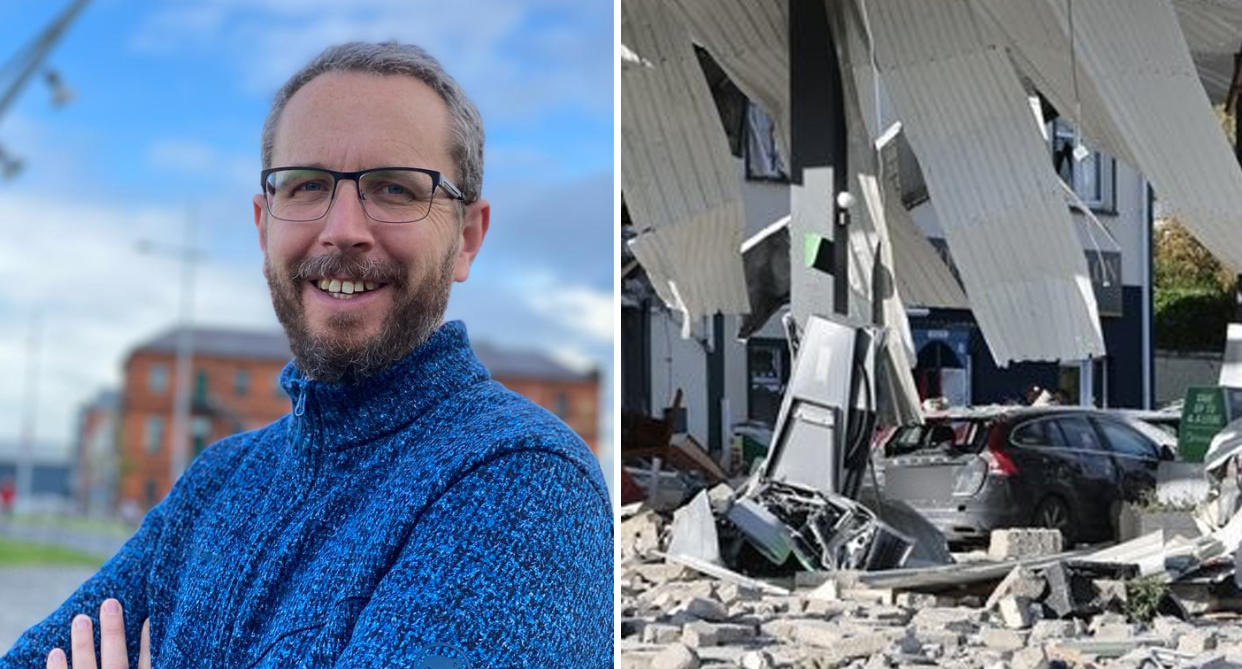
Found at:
(104, 526)
(15, 553)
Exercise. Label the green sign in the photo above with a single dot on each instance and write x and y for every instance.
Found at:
(1204, 413)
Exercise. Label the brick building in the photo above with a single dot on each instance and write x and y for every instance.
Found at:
(573, 396)
(234, 387)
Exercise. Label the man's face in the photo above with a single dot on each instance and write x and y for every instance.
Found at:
(346, 122)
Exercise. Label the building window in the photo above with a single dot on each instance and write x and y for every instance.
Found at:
(764, 161)
(149, 489)
(201, 427)
(1092, 178)
(767, 371)
(153, 434)
(200, 386)
(561, 404)
(241, 382)
(157, 378)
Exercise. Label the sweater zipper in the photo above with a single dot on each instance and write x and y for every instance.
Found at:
(305, 434)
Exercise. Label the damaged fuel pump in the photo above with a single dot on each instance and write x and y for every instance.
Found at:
(800, 510)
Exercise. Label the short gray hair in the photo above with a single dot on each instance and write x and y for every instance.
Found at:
(392, 58)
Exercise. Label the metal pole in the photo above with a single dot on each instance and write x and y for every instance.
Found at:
(40, 48)
(25, 464)
(818, 169)
(185, 356)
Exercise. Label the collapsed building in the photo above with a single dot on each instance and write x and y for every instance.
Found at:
(1001, 112)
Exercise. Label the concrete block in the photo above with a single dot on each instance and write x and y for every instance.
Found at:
(1003, 639)
(1069, 593)
(914, 600)
(729, 593)
(960, 619)
(1033, 657)
(815, 633)
(1197, 642)
(703, 608)
(661, 633)
(675, 656)
(757, 659)
(1024, 542)
(1043, 630)
(702, 634)
(1117, 631)
(1019, 582)
(1015, 612)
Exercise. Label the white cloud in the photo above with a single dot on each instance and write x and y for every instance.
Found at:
(579, 309)
(201, 159)
(97, 297)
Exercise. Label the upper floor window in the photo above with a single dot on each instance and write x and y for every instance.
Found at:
(241, 382)
(200, 386)
(1092, 178)
(157, 378)
(153, 434)
(764, 161)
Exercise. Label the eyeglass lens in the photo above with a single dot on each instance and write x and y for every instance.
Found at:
(391, 196)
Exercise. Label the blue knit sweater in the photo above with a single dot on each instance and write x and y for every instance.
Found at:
(422, 515)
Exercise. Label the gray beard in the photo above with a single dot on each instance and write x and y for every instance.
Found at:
(416, 314)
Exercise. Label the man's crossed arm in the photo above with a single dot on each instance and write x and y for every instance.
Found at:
(113, 653)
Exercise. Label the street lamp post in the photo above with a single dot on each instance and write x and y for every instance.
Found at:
(188, 255)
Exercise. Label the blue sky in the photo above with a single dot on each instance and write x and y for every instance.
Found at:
(171, 96)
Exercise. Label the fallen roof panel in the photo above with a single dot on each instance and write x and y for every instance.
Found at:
(988, 173)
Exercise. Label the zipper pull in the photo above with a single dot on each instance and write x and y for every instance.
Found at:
(299, 407)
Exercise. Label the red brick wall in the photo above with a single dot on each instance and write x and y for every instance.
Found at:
(263, 403)
(580, 401)
(576, 402)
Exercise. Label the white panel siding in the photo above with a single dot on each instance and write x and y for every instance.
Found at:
(987, 169)
(676, 170)
(750, 41)
(1135, 61)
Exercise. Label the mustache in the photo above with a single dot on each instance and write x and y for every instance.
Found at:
(367, 269)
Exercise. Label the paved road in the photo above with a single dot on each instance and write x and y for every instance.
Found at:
(28, 594)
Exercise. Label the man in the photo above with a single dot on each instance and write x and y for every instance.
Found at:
(409, 511)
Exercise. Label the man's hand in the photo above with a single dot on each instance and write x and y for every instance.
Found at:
(111, 642)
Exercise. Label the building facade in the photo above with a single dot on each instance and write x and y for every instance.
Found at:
(234, 387)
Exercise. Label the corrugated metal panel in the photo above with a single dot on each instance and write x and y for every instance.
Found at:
(1136, 62)
(750, 40)
(1213, 30)
(988, 173)
(1038, 43)
(921, 275)
(678, 177)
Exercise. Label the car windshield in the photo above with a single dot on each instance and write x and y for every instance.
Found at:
(944, 436)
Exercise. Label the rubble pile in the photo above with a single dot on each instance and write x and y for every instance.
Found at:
(1062, 610)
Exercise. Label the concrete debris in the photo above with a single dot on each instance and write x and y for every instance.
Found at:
(676, 656)
(1069, 593)
(683, 617)
(1024, 542)
(694, 531)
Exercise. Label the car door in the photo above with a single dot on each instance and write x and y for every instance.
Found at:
(1136, 456)
(1094, 482)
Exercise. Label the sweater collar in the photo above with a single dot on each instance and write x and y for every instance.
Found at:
(336, 416)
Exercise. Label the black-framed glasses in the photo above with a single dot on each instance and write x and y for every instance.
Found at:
(388, 194)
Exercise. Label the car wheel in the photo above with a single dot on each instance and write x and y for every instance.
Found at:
(1053, 513)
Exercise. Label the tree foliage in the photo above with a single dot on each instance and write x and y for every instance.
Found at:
(1194, 292)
